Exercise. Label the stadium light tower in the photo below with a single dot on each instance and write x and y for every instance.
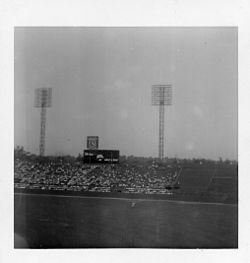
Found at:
(161, 96)
(43, 101)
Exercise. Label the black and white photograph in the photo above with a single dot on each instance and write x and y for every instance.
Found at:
(125, 137)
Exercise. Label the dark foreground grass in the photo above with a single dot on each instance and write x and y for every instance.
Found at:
(47, 221)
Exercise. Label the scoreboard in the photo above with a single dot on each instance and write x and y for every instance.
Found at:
(101, 156)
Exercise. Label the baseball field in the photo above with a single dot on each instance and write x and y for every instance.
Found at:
(57, 221)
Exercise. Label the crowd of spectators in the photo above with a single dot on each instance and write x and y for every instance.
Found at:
(77, 176)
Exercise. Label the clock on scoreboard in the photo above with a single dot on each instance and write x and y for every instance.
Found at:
(92, 142)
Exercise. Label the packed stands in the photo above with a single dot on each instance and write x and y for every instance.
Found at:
(125, 178)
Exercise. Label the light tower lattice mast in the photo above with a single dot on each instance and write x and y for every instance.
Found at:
(43, 101)
(161, 96)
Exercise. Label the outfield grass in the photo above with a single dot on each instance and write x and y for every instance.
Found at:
(198, 178)
(47, 221)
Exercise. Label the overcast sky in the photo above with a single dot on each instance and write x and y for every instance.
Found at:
(101, 82)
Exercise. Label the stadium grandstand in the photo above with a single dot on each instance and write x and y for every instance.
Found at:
(192, 180)
(94, 178)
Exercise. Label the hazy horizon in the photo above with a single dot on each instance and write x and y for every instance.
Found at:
(101, 82)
